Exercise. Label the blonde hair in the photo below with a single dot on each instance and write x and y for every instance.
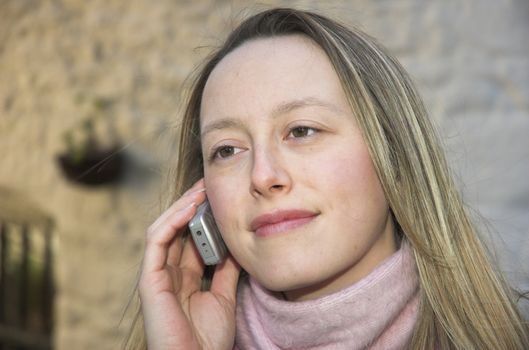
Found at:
(464, 302)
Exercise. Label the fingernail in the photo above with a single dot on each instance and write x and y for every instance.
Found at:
(187, 207)
(198, 191)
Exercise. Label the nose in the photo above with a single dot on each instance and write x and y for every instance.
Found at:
(268, 175)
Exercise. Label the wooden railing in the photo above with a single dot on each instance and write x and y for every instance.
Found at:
(26, 278)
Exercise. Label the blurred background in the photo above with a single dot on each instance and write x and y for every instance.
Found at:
(89, 96)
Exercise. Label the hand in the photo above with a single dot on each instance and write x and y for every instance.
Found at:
(177, 315)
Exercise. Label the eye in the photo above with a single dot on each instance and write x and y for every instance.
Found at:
(302, 131)
(224, 151)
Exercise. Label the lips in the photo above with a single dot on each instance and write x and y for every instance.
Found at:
(281, 221)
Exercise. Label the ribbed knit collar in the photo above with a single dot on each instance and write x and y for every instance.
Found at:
(377, 312)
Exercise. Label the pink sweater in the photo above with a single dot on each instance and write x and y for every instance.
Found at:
(377, 312)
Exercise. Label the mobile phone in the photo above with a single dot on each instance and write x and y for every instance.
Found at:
(206, 235)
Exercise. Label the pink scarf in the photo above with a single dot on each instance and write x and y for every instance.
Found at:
(377, 312)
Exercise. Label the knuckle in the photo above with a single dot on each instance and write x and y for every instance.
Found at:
(148, 281)
(154, 282)
(149, 234)
(152, 233)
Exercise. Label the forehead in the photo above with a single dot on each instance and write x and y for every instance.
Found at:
(265, 72)
(269, 54)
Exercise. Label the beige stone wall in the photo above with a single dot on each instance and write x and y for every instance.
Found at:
(470, 61)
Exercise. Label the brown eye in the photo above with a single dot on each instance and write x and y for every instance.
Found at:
(223, 152)
(301, 131)
(226, 151)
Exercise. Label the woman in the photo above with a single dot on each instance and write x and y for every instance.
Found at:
(330, 190)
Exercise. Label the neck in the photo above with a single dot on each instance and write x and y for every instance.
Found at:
(377, 312)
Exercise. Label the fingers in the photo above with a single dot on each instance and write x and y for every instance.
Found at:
(174, 251)
(225, 279)
(161, 243)
(156, 247)
(184, 201)
(191, 268)
(191, 259)
(164, 248)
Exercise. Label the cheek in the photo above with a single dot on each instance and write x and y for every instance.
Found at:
(351, 179)
(224, 198)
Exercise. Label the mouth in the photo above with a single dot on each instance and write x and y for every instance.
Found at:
(281, 221)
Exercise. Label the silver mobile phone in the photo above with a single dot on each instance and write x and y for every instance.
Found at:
(207, 236)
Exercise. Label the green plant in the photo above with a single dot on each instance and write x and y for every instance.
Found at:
(81, 139)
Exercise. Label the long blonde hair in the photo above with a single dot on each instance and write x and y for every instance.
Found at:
(464, 302)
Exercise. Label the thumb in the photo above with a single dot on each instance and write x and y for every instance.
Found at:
(225, 279)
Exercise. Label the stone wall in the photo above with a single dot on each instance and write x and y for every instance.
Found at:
(60, 60)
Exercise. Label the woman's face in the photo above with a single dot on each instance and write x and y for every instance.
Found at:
(288, 175)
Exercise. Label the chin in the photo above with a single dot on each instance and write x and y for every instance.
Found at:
(284, 282)
(284, 272)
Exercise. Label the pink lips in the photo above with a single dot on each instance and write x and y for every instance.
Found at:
(280, 221)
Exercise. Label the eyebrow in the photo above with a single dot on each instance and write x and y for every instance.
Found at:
(282, 108)
(289, 106)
